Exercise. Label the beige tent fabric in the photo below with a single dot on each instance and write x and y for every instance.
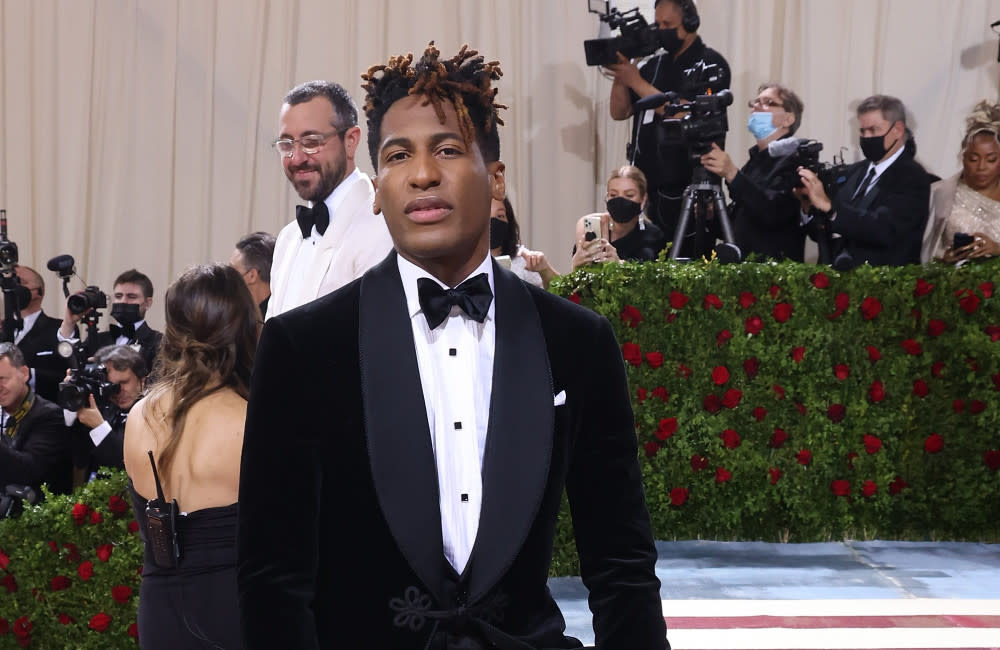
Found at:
(137, 132)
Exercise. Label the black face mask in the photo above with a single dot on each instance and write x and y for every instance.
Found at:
(670, 40)
(623, 210)
(874, 148)
(499, 230)
(125, 314)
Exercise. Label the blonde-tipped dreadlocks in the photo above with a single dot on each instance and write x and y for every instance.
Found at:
(464, 80)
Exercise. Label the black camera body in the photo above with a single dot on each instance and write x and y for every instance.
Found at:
(90, 298)
(91, 379)
(705, 123)
(13, 498)
(806, 155)
(638, 38)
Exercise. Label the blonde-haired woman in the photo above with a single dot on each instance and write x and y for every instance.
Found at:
(968, 203)
(191, 422)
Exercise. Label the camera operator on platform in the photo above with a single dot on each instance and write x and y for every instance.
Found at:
(880, 210)
(668, 170)
(764, 212)
(36, 339)
(99, 429)
(132, 296)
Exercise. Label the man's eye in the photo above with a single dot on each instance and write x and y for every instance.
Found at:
(395, 156)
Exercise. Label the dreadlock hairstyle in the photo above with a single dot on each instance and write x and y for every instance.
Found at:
(464, 80)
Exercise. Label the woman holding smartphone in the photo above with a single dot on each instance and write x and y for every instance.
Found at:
(621, 232)
(191, 425)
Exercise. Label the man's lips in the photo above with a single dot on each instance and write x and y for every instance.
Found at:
(427, 209)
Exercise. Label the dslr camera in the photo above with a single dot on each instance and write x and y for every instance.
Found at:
(638, 38)
(91, 379)
(806, 155)
(704, 123)
(90, 298)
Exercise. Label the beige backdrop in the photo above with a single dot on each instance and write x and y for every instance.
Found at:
(137, 132)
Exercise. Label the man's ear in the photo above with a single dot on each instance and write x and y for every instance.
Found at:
(252, 276)
(498, 185)
(376, 204)
(352, 137)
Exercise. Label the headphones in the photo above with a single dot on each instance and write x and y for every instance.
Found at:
(690, 20)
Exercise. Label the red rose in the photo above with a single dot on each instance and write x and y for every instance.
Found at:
(86, 570)
(662, 393)
(870, 308)
(778, 439)
(669, 317)
(841, 302)
(801, 408)
(968, 301)
(133, 526)
(751, 367)
(722, 475)
(53, 546)
(117, 505)
(121, 593)
(820, 280)
(912, 346)
(760, 413)
(651, 449)
(631, 316)
(730, 439)
(72, 552)
(841, 371)
(996, 382)
(720, 375)
(920, 388)
(938, 368)
(897, 485)
(99, 622)
(872, 444)
(667, 428)
(4, 560)
(22, 627)
(731, 398)
(59, 583)
(95, 517)
(992, 331)
(641, 395)
(934, 443)
(779, 391)
(936, 327)
(678, 496)
(957, 405)
(977, 406)
(922, 288)
(775, 474)
(836, 412)
(574, 297)
(104, 552)
(80, 513)
(774, 290)
(992, 459)
(753, 325)
(869, 488)
(683, 371)
(782, 312)
(4, 626)
(804, 457)
(798, 354)
(712, 300)
(850, 459)
(632, 354)
(133, 631)
(840, 487)
(873, 353)
(747, 299)
(698, 463)
(712, 403)
(987, 289)
(9, 583)
(722, 337)
(678, 300)
(876, 392)
(66, 619)
(654, 359)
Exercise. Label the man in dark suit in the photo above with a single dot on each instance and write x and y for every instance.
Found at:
(34, 444)
(402, 492)
(880, 211)
(37, 339)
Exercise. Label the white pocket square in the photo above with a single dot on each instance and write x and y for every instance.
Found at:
(560, 398)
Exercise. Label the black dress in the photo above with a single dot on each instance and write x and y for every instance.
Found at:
(194, 605)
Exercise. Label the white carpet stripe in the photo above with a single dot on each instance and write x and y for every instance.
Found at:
(832, 607)
(834, 639)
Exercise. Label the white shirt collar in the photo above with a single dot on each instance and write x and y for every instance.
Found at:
(410, 273)
(884, 165)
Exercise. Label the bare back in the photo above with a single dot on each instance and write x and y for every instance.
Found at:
(206, 467)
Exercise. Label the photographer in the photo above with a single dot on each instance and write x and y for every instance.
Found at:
(34, 445)
(36, 339)
(132, 296)
(667, 169)
(99, 428)
(764, 212)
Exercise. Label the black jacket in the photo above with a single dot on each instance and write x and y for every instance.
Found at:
(764, 213)
(39, 349)
(40, 452)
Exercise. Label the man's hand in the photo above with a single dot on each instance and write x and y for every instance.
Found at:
(69, 322)
(625, 72)
(90, 416)
(812, 189)
(719, 163)
(535, 261)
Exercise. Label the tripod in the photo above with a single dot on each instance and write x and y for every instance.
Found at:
(704, 191)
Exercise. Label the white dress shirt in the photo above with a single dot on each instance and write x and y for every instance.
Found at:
(455, 361)
(28, 322)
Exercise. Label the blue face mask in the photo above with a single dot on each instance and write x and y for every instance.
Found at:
(761, 124)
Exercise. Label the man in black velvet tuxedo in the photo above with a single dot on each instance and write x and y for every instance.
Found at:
(877, 215)
(407, 444)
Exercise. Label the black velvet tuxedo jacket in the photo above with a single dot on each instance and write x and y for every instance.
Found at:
(885, 226)
(40, 452)
(39, 349)
(339, 540)
(147, 338)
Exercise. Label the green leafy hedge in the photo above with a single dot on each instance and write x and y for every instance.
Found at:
(70, 570)
(793, 402)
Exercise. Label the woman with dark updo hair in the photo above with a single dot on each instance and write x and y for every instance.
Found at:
(192, 423)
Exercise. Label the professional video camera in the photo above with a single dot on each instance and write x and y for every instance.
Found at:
(800, 152)
(91, 379)
(704, 123)
(13, 498)
(16, 297)
(638, 38)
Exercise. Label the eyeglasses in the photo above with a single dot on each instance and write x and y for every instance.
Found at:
(764, 102)
(310, 143)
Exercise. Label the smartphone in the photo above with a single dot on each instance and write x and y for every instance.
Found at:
(961, 240)
(503, 260)
(591, 228)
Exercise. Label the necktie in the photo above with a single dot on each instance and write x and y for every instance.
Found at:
(473, 296)
(317, 215)
(863, 188)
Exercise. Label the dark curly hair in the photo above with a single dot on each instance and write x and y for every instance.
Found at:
(464, 80)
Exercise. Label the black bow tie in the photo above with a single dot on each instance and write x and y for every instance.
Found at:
(318, 216)
(473, 296)
(125, 329)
